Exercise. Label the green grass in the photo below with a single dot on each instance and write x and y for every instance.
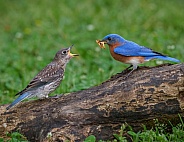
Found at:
(156, 134)
(33, 31)
(14, 137)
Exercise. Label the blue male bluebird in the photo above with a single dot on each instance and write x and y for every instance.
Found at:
(130, 52)
(48, 79)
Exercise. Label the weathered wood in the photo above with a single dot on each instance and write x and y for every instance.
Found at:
(149, 93)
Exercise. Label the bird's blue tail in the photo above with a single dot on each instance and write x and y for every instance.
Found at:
(167, 58)
(18, 100)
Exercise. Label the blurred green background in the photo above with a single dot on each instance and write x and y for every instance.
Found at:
(32, 31)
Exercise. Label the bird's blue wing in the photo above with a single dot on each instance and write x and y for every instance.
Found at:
(19, 99)
(130, 48)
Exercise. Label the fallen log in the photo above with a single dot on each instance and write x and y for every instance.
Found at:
(149, 93)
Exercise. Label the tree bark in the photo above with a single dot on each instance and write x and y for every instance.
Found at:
(149, 93)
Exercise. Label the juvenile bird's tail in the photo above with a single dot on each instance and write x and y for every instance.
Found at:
(167, 58)
(18, 100)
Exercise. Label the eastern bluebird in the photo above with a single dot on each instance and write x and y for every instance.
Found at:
(48, 79)
(130, 52)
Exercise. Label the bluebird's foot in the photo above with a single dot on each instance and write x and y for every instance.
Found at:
(126, 70)
(56, 96)
(130, 72)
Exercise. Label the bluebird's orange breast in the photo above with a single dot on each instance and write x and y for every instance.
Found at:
(125, 59)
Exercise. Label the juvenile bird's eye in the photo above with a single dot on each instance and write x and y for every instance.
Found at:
(64, 52)
(109, 38)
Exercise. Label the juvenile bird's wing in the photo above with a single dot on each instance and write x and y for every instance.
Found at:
(130, 48)
(45, 76)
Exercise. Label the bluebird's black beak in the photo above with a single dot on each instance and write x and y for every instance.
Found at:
(104, 41)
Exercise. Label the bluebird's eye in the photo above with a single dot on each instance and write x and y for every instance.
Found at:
(109, 38)
(64, 52)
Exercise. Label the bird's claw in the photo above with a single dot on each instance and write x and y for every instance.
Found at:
(126, 70)
(55, 97)
(128, 74)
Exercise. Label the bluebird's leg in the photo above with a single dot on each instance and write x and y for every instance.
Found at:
(126, 70)
(134, 68)
(56, 96)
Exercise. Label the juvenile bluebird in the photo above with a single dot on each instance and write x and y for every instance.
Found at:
(130, 52)
(48, 79)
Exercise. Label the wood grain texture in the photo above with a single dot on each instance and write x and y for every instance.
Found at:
(149, 93)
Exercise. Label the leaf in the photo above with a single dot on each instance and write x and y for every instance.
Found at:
(90, 138)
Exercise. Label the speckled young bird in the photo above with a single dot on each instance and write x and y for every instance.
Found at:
(48, 79)
(130, 52)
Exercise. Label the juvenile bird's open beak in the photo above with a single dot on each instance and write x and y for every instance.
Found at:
(101, 43)
(72, 55)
